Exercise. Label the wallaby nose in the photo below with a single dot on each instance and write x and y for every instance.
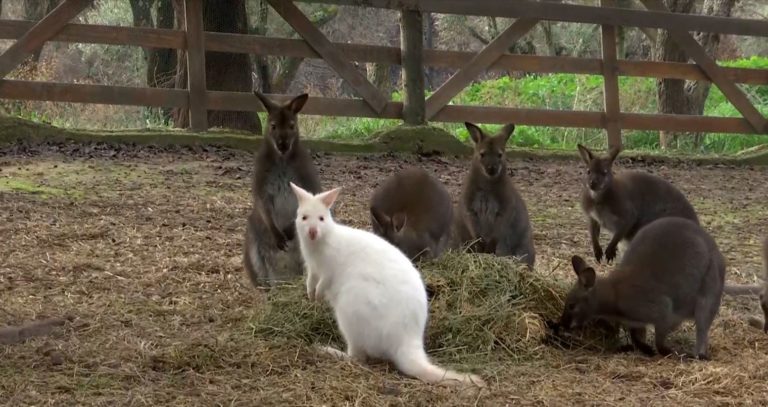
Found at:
(312, 233)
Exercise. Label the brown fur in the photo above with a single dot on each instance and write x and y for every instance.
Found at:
(761, 290)
(281, 159)
(491, 213)
(624, 203)
(413, 211)
(673, 271)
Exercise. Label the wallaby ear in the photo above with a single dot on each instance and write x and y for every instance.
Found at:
(398, 221)
(475, 132)
(506, 132)
(269, 105)
(297, 103)
(329, 197)
(587, 277)
(586, 155)
(613, 153)
(380, 220)
(578, 264)
(301, 194)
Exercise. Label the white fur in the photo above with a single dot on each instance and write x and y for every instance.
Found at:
(377, 295)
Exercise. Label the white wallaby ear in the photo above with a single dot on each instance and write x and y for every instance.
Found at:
(301, 194)
(398, 221)
(329, 197)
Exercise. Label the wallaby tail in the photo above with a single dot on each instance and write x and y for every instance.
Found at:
(413, 361)
(742, 289)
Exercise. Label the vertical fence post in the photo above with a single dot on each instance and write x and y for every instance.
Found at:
(193, 16)
(411, 52)
(610, 81)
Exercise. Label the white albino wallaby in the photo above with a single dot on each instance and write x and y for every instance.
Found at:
(378, 297)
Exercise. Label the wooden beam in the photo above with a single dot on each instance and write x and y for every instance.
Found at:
(39, 33)
(611, 100)
(412, 43)
(101, 34)
(572, 13)
(695, 51)
(193, 17)
(244, 101)
(481, 62)
(332, 56)
(98, 94)
(253, 44)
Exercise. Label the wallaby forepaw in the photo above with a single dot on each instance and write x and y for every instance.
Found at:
(610, 254)
(476, 380)
(598, 253)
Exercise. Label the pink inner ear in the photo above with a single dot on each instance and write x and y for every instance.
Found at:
(329, 197)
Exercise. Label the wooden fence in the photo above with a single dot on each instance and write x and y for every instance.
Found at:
(415, 108)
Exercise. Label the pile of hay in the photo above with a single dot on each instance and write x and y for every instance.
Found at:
(481, 305)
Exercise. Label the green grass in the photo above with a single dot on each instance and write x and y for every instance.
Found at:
(571, 92)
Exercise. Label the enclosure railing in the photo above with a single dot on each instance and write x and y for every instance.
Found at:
(415, 108)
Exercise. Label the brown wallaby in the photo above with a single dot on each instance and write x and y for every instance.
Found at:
(760, 290)
(271, 254)
(413, 211)
(626, 202)
(673, 271)
(491, 212)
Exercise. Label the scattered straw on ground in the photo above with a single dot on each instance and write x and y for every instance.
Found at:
(142, 246)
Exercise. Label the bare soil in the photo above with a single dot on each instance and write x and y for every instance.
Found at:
(142, 246)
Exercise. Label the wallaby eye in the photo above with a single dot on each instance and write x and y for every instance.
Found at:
(273, 125)
(304, 217)
(322, 218)
(571, 307)
(292, 125)
(482, 154)
(499, 155)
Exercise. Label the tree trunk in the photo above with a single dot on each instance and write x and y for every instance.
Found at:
(263, 72)
(670, 93)
(35, 10)
(223, 71)
(674, 95)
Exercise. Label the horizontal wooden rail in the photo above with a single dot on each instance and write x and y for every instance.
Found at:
(253, 44)
(241, 101)
(573, 14)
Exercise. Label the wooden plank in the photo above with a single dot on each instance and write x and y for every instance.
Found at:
(412, 44)
(695, 51)
(477, 65)
(572, 13)
(611, 101)
(99, 94)
(240, 43)
(301, 24)
(193, 17)
(41, 32)
(101, 34)
(243, 101)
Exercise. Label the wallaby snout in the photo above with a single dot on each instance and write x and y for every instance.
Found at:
(312, 232)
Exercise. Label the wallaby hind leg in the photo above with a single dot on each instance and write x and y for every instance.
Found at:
(253, 259)
(764, 306)
(662, 329)
(637, 335)
(704, 314)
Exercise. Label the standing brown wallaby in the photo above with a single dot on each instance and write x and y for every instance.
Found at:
(413, 211)
(491, 212)
(626, 202)
(673, 271)
(761, 290)
(271, 254)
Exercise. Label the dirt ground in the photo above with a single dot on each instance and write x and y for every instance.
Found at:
(142, 246)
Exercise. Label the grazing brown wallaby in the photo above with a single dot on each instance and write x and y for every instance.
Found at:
(673, 271)
(413, 211)
(271, 254)
(761, 290)
(626, 202)
(490, 211)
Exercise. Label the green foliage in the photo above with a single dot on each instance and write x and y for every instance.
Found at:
(574, 92)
